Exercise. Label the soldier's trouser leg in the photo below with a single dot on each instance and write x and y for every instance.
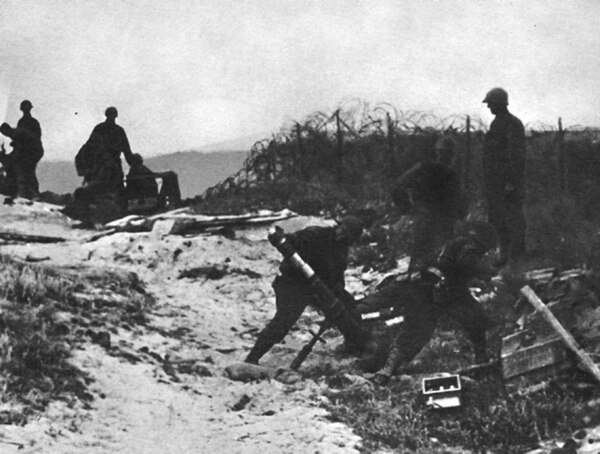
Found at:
(23, 176)
(35, 185)
(517, 224)
(424, 230)
(498, 216)
(397, 294)
(467, 311)
(290, 301)
(414, 333)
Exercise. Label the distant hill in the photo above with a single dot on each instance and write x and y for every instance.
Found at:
(197, 171)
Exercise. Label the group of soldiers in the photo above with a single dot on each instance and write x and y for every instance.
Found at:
(449, 252)
(98, 162)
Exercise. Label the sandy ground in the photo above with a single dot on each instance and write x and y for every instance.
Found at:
(208, 323)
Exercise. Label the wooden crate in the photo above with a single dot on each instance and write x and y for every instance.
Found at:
(525, 356)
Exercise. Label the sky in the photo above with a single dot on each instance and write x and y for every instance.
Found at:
(185, 74)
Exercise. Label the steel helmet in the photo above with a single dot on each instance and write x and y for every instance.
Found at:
(496, 96)
(26, 104)
(111, 112)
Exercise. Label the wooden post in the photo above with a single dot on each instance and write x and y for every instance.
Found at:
(562, 161)
(272, 152)
(390, 137)
(561, 331)
(467, 162)
(300, 157)
(339, 146)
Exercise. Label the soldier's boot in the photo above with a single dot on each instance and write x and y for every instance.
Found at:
(374, 357)
(261, 347)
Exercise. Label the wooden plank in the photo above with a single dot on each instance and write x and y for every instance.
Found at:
(561, 331)
(25, 238)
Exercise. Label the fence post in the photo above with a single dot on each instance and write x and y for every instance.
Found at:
(562, 161)
(467, 162)
(339, 145)
(390, 131)
(300, 150)
(271, 151)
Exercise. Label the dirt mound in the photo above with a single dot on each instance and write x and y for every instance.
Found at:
(159, 386)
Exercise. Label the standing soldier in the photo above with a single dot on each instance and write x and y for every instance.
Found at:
(431, 191)
(27, 151)
(503, 170)
(325, 249)
(114, 138)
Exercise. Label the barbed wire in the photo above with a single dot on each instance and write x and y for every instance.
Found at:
(353, 121)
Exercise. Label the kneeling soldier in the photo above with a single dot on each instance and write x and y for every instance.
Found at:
(444, 289)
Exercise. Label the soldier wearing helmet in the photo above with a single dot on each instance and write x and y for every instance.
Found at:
(114, 139)
(325, 249)
(443, 289)
(27, 151)
(504, 167)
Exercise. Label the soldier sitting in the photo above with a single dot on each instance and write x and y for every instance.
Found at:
(141, 184)
(100, 197)
(442, 289)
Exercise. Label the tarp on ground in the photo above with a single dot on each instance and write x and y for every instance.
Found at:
(183, 221)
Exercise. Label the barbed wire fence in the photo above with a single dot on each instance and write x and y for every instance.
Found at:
(359, 145)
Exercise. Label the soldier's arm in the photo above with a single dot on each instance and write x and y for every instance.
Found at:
(126, 148)
(403, 186)
(37, 128)
(408, 178)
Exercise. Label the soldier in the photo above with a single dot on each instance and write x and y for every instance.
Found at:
(503, 170)
(442, 289)
(325, 249)
(141, 182)
(101, 181)
(27, 121)
(27, 152)
(114, 138)
(431, 191)
(34, 144)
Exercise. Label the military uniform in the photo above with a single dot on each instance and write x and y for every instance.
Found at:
(425, 300)
(433, 192)
(27, 152)
(503, 172)
(141, 182)
(115, 141)
(327, 256)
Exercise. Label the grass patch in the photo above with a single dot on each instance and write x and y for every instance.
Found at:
(491, 417)
(44, 314)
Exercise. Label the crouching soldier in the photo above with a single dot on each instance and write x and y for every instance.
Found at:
(443, 289)
(325, 249)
